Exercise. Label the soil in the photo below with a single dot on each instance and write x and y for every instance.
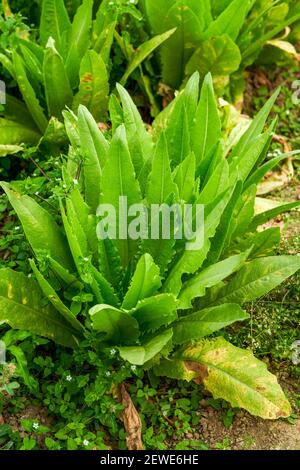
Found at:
(248, 432)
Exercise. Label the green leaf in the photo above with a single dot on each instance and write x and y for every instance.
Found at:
(243, 213)
(207, 129)
(115, 113)
(58, 91)
(200, 324)
(255, 128)
(79, 40)
(17, 111)
(110, 263)
(260, 243)
(155, 11)
(209, 277)
(190, 261)
(217, 182)
(119, 169)
(71, 126)
(184, 178)
(33, 64)
(55, 22)
(254, 280)
(155, 312)
(8, 65)
(104, 28)
(145, 282)
(118, 326)
(28, 94)
(107, 291)
(242, 165)
(231, 19)
(62, 273)
(259, 174)
(161, 184)
(237, 376)
(9, 150)
(255, 46)
(14, 133)
(139, 355)
(94, 148)
(143, 51)
(40, 228)
(218, 55)
(180, 121)
(23, 370)
(261, 219)
(94, 87)
(139, 140)
(22, 307)
(224, 229)
(53, 298)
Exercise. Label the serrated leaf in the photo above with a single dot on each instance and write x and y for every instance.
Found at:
(218, 182)
(160, 184)
(209, 277)
(255, 128)
(94, 149)
(23, 308)
(145, 282)
(184, 178)
(154, 312)
(207, 128)
(255, 279)
(139, 355)
(120, 170)
(40, 228)
(191, 261)
(237, 376)
(200, 324)
(241, 167)
(261, 243)
(139, 140)
(118, 326)
(180, 121)
(53, 298)
(28, 94)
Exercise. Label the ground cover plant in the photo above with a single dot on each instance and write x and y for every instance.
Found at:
(153, 301)
(149, 233)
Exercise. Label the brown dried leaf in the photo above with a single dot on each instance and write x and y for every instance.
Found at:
(132, 421)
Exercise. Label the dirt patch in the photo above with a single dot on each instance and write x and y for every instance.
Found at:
(32, 412)
(247, 432)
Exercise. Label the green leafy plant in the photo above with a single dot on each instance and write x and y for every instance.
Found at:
(69, 65)
(221, 37)
(152, 300)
